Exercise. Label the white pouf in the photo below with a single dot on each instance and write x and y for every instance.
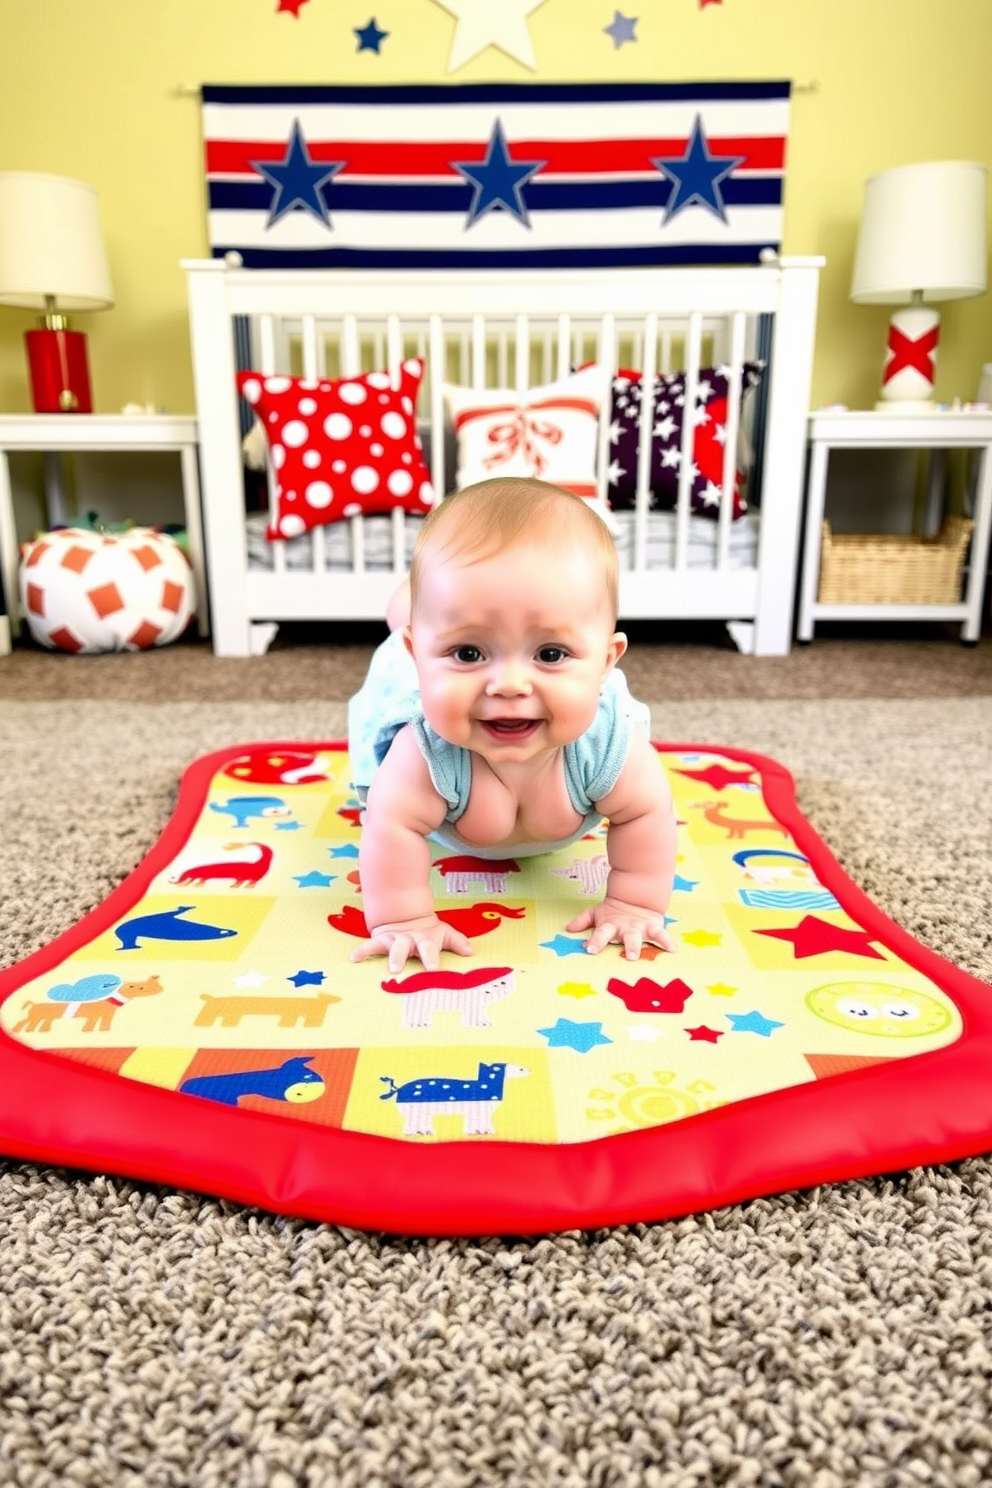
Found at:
(89, 591)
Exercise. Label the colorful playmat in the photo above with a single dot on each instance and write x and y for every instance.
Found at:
(204, 1027)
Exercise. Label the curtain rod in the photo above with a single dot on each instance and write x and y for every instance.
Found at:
(192, 90)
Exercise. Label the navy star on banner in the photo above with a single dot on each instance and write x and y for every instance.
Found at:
(496, 174)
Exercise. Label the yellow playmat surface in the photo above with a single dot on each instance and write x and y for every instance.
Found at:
(227, 979)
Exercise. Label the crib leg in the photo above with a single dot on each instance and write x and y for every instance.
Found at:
(741, 632)
(261, 634)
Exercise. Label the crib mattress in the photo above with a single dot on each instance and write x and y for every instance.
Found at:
(701, 546)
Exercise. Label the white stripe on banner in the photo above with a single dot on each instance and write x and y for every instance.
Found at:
(496, 175)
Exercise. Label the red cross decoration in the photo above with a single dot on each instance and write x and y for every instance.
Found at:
(903, 352)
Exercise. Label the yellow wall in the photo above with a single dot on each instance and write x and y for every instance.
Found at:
(89, 88)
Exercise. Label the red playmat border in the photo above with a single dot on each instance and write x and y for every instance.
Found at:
(926, 1108)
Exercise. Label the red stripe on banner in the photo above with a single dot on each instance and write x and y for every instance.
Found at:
(610, 157)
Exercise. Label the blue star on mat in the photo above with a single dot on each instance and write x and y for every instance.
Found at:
(370, 38)
(306, 978)
(684, 886)
(563, 945)
(578, 1036)
(314, 879)
(498, 180)
(297, 180)
(621, 28)
(753, 1023)
(696, 176)
(348, 851)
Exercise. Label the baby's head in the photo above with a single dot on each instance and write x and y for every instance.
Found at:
(495, 516)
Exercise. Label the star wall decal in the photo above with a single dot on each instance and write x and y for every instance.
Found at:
(621, 28)
(696, 176)
(484, 23)
(370, 37)
(297, 180)
(497, 180)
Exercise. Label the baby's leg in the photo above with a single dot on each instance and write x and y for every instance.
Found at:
(398, 608)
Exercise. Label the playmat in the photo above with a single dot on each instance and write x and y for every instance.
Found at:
(204, 1027)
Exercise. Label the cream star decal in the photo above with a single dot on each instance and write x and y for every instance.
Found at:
(250, 979)
(483, 23)
(644, 1033)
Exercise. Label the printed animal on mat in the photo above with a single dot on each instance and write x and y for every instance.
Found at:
(425, 993)
(589, 873)
(474, 1100)
(241, 872)
(736, 826)
(277, 767)
(293, 1081)
(94, 999)
(462, 872)
(291, 1012)
(166, 925)
(474, 920)
(244, 809)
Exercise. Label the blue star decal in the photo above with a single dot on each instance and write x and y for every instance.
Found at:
(696, 176)
(297, 180)
(306, 978)
(498, 180)
(563, 945)
(313, 879)
(578, 1036)
(348, 851)
(370, 38)
(621, 29)
(753, 1023)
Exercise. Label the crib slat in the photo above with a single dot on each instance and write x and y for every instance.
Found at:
(351, 351)
(357, 543)
(394, 347)
(438, 352)
(478, 351)
(267, 344)
(734, 401)
(606, 356)
(522, 370)
(645, 429)
(318, 550)
(564, 342)
(693, 349)
(311, 370)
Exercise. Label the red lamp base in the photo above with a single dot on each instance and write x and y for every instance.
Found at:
(60, 374)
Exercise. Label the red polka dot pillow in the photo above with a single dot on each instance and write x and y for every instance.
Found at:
(342, 447)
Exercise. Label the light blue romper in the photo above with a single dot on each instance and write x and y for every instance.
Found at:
(389, 698)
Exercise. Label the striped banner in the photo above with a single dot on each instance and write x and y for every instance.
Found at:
(496, 174)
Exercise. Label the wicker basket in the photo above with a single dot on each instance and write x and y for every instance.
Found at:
(876, 568)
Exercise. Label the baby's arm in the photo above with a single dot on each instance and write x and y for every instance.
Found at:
(394, 863)
(641, 847)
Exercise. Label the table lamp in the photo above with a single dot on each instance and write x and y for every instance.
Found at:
(52, 259)
(922, 240)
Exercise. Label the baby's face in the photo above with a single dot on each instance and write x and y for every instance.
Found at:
(511, 651)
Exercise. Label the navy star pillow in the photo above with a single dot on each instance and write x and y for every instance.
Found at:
(710, 419)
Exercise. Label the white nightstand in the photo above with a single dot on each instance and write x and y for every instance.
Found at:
(55, 434)
(831, 429)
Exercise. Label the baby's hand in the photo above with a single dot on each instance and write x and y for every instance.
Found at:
(625, 923)
(425, 937)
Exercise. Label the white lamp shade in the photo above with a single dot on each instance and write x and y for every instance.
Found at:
(922, 229)
(51, 246)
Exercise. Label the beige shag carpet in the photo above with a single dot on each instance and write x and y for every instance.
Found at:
(838, 1336)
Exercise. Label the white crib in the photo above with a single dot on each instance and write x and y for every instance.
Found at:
(515, 329)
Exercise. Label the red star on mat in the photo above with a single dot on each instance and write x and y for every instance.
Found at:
(704, 3)
(292, 6)
(718, 776)
(704, 1035)
(815, 937)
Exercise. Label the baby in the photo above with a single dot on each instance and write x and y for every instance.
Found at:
(494, 720)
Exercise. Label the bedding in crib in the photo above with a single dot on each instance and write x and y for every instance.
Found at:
(703, 535)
